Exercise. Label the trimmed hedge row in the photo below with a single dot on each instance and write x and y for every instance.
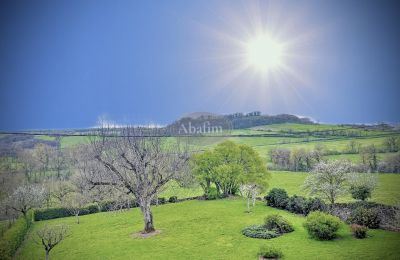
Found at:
(61, 212)
(14, 236)
(51, 213)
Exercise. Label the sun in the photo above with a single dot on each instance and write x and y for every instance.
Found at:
(264, 53)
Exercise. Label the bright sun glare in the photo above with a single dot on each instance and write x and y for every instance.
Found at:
(264, 53)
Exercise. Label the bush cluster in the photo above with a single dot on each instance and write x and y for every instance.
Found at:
(259, 231)
(278, 198)
(359, 231)
(270, 252)
(322, 226)
(278, 224)
(14, 236)
(364, 216)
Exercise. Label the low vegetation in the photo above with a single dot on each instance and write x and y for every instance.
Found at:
(322, 226)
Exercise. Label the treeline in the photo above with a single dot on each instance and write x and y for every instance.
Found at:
(300, 159)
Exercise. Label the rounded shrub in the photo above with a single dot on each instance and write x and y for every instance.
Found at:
(362, 192)
(278, 224)
(363, 216)
(173, 199)
(259, 231)
(277, 198)
(359, 231)
(270, 252)
(322, 226)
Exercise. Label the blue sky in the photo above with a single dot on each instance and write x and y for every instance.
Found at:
(65, 63)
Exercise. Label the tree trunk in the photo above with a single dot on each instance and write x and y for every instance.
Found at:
(77, 218)
(47, 255)
(147, 216)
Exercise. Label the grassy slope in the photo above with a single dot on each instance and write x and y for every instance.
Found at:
(202, 230)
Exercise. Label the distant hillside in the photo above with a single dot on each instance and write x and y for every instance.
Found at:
(202, 121)
(256, 119)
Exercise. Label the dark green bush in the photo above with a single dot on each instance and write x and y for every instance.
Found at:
(363, 216)
(259, 231)
(297, 204)
(14, 236)
(212, 194)
(360, 192)
(173, 199)
(162, 200)
(270, 252)
(52, 213)
(314, 204)
(278, 224)
(277, 198)
(322, 226)
(359, 231)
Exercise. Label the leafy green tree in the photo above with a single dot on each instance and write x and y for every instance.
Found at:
(228, 166)
(362, 185)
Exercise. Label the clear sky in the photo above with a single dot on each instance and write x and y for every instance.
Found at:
(65, 63)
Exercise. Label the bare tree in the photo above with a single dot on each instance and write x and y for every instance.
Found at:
(75, 203)
(250, 192)
(28, 164)
(369, 158)
(50, 236)
(25, 198)
(391, 143)
(58, 160)
(42, 154)
(61, 189)
(280, 157)
(139, 160)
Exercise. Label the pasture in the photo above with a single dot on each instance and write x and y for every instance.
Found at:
(202, 230)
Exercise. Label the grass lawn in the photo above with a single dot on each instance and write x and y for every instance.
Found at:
(202, 230)
(387, 192)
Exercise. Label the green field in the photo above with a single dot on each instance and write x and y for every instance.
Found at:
(202, 230)
(387, 192)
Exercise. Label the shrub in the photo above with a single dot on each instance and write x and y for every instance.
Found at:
(296, 204)
(259, 231)
(14, 236)
(278, 224)
(314, 204)
(359, 231)
(360, 192)
(212, 194)
(368, 217)
(322, 226)
(173, 199)
(162, 200)
(270, 252)
(277, 198)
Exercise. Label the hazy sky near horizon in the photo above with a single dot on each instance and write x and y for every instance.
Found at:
(65, 63)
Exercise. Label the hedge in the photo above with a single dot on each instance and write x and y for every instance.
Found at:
(51, 213)
(14, 236)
